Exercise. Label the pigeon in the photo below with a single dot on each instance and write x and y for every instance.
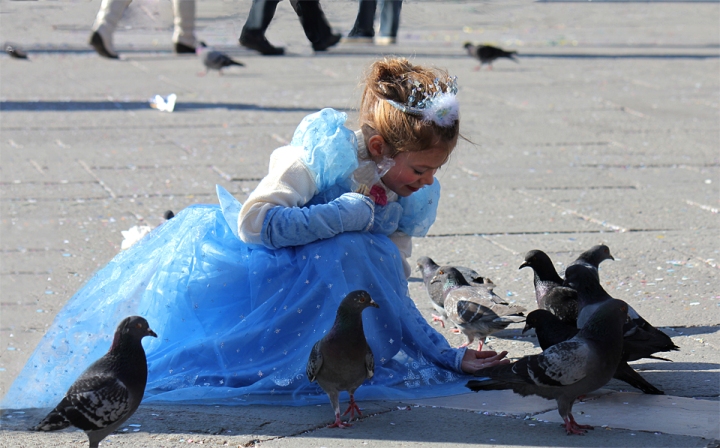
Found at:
(215, 60)
(428, 268)
(342, 359)
(563, 300)
(641, 339)
(566, 370)
(110, 390)
(550, 330)
(15, 51)
(487, 54)
(476, 310)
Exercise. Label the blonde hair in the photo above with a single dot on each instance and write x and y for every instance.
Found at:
(393, 79)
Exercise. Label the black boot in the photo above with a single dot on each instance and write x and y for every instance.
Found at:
(255, 40)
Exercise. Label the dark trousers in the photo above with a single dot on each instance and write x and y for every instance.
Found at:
(309, 12)
(389, 18)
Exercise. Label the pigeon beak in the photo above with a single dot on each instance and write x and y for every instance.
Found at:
(151, 333)
(524, 265)
(374, 303)
(434, 280)
(526, 328)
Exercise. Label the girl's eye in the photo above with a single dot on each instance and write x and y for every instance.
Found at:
(418, 172)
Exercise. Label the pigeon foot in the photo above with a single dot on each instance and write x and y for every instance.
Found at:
(338, 423)
(438, 319)
(572, 427)
(352, 407)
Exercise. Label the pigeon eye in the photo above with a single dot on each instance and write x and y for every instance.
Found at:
(362, 299)
(138, 325)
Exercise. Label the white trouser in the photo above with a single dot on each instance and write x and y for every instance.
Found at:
(112, 10)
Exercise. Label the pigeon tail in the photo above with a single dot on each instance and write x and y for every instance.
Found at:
(54, 421)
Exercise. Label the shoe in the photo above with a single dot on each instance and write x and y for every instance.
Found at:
(385, 40)
(97, 42)
(184, 49)
(326, 43)
(259, 43)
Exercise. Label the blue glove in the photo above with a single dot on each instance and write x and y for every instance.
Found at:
(296, 226)
(386, 218)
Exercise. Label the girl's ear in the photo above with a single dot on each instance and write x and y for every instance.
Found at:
(376, 145)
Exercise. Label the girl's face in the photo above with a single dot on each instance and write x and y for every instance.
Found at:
(414, 170)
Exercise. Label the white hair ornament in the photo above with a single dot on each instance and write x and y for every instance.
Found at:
(432, 103)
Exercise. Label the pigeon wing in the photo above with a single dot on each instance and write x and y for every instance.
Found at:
(369, 363)
(94, 403)
(560, 365)
(314, 362)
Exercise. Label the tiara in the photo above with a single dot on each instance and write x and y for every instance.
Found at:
(432, 102)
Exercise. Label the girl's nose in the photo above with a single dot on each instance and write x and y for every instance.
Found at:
(427, 177)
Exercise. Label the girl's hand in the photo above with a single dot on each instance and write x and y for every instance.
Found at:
(475, 360)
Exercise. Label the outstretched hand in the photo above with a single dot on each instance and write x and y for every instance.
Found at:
(475, 360)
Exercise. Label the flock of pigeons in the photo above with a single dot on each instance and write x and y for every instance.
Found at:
(217, 60)
(587, 337)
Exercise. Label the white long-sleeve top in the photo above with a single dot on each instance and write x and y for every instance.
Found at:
(289, 183)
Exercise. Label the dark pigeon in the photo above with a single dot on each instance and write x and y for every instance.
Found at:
(641, 340)
(15, 51)
(550, 330)
(342, 359)
(168, 215)
(110, 390)
(568, 369)
(487, 54)
(428, 268)
(563, 302)
(215, 60)
(476, 310)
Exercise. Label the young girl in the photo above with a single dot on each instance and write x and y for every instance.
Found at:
(239, 294)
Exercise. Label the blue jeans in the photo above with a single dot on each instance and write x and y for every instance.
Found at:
(389, 18)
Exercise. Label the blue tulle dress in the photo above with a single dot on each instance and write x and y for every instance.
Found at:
(236, 322)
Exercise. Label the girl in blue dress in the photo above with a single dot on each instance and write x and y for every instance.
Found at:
(238, 294)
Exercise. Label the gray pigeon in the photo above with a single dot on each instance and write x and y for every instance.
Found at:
(550, 330)
(428, 268)
(487, 54)
(476, 310)
(14, 51)
(566, 370)
(641, 340)
(215, 60)
(110, 390)
(342, 359)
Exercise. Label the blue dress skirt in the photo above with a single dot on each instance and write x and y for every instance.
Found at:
(236, 322)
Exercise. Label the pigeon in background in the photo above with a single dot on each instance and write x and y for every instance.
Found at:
(566, 370)
(110, 390)
(215, 60)
(641, 340)
(487, 54)
(428, 268)
(476, 310)
(550, 330)
(15, 51)
(342, 359)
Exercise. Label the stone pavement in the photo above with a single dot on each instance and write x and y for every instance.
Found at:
(607, 130)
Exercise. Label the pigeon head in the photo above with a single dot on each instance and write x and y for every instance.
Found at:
(537, 318)
(597, 254)
(132, 328)
(536, 259)
(450, 277)
(426, 266)
(357, 301)
(583, 279)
